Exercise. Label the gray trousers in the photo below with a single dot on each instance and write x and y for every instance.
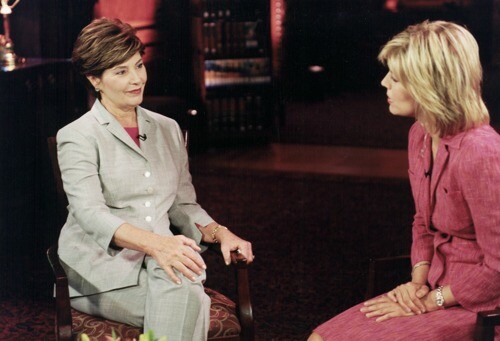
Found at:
(179, 312)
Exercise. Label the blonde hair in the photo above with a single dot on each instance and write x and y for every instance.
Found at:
(438, 64)
(103, 44)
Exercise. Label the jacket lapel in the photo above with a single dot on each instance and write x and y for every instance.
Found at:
(443, 155)
(437, 170)
(114, 127)
(145, 123)
(146, 127)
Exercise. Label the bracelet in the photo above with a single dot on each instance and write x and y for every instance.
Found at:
(440, 297)
(420, 264)
(214, 231)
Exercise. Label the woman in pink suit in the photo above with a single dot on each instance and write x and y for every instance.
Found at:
(454, 167)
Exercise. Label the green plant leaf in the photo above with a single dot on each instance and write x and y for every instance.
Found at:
(149, 336)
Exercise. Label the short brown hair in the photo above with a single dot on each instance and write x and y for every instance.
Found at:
(103, 44)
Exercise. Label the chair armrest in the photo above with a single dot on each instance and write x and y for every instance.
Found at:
(485, 325)
(63, 320)
(244, 304)
(245, 311)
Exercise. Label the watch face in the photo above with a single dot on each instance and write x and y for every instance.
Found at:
(439, 301)
(439, 297)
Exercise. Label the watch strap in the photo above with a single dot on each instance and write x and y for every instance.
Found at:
(439, 297)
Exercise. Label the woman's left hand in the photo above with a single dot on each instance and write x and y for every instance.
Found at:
(383, 308)
(409, 296)
(229, 242)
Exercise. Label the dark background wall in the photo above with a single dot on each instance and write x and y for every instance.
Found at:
(345, 37)
(48, 28)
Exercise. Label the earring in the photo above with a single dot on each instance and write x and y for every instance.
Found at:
(97, 90)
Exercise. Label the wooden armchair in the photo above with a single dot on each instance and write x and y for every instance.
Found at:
(385, 273)
(229, 321)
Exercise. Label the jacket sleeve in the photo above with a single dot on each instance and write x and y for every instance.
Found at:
(422, 240)
(78, 161)
(479, 169)
(185, 212)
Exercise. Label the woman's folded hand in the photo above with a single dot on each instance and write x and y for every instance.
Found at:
(179, 253)
(409, 295)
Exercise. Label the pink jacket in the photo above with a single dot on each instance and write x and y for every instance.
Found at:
(457, 220)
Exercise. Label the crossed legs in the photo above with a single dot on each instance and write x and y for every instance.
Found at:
(180, 312)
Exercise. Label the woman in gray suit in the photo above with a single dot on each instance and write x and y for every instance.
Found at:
(125, 173)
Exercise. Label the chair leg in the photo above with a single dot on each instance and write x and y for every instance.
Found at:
(245, 313)
(63, 320)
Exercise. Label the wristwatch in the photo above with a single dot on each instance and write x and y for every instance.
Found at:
(439, 297)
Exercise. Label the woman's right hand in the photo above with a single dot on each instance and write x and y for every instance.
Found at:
(170, 252)
(180, 253)
(409, 295)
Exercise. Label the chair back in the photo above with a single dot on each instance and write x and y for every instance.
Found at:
(62, 200)
(185, 134)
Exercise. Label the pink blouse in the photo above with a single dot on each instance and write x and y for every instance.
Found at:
(134, 134)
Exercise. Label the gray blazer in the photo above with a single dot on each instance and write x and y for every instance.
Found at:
(109, 180)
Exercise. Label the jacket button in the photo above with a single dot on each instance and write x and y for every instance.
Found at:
(148, 219)
(147, 204)
(147, 174)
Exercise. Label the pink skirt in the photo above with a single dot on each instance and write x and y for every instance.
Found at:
(453, 323)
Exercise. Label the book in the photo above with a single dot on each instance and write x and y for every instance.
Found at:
(221, 72)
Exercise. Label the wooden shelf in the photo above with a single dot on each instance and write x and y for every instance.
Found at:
(232, 68)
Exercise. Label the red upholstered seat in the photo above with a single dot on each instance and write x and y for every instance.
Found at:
(223, 322)
(223, 319)
(98, 328)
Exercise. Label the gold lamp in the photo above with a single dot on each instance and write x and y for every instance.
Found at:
(8, 58)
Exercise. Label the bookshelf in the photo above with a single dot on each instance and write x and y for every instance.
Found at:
(232, 71)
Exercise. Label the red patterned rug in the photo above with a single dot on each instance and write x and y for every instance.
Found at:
(26, 319)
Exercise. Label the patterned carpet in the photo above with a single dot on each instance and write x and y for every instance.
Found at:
(312, 238)
(26, 319)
